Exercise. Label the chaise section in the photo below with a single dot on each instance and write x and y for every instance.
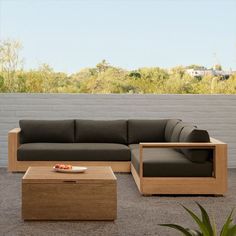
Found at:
(214, 184)
(73, 152)
(168, 163)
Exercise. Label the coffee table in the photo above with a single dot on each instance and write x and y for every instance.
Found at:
(48, 195)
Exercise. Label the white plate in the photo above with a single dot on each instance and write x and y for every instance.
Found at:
(75, 169)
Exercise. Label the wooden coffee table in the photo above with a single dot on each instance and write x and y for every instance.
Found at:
(48, 195)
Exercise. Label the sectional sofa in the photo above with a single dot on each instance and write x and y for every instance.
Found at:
(165, 156)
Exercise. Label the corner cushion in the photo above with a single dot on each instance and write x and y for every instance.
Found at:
(191, 134)
(177, 130)
(169, 128)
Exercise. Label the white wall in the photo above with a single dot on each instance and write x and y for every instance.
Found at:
(216, 113)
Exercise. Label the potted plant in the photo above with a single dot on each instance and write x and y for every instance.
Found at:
(206, 227)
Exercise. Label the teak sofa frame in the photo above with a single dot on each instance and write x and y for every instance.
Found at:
(217, 184)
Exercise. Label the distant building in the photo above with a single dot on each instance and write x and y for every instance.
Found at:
(212, 72)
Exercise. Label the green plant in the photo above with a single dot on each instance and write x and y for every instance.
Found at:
(206, 227)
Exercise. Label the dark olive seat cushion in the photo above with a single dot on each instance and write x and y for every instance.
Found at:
(168, 163)
(47, 131)
(101, 131)
(146, 131)
(191, 134)
(170, 125)
(73, 152)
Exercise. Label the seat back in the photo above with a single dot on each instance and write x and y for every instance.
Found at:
(46, 131)
(101, 131)
(192, 134)
(146, 131)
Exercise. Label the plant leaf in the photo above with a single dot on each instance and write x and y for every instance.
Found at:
(194, 232)
(232, 231)
(177, 227)
(205, 219)
(201, 225)
(226, 226)
(214, 227)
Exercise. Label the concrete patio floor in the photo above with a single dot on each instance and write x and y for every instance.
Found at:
(137, 215)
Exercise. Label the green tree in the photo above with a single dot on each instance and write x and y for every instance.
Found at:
(10, 62)
(104, 78)
(1, 84)
(102, 66)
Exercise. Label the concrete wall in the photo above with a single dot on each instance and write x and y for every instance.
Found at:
(216, 113)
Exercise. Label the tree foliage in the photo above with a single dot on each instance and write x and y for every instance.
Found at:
(104, 78)
(10, 62)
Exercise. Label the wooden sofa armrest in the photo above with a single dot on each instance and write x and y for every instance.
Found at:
(212, 144)
(14, 131)
(13, 144)
(178, 145)
(219, 154)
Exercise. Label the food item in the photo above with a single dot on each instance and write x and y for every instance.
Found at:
(63, 167)
(57, 166)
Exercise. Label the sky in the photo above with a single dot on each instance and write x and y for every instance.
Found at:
(73, 34)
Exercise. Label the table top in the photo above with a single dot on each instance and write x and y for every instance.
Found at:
(93, 174)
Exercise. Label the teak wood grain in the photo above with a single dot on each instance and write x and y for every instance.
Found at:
(47, 195)
(48, 175)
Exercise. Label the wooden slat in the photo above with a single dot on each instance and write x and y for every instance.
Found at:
(117, 166)
(48, 175)
(136, 177)
(180, 185)
(13, 144)
(174, 145)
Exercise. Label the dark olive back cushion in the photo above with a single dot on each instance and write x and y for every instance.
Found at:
(146, 131)
(191, 134)
(176, 133)
(177, 130)
(47, 131)
(101, 131)
(170, 125)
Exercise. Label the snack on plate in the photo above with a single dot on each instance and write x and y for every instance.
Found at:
(63, 166)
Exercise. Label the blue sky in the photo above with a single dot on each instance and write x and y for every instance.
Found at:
(73, 34)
